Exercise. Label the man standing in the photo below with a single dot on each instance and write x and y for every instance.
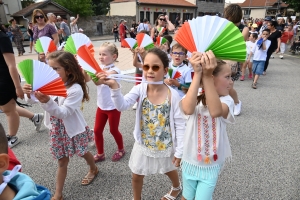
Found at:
(122, 30)
(65, 28)
(143, 26)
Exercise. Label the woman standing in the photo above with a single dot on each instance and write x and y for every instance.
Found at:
(30, 33)
(17, 36)
(115, 31)
(162, 27)
(73, 24)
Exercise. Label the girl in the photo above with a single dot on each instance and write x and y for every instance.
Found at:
(206, 144)
(69, 132)
(106, 109)
(286, 38)
(166, 47)
(249, 44)
(159, 125)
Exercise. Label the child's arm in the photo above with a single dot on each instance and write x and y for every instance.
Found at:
(87, 78)
(190, 101)
(136, 63)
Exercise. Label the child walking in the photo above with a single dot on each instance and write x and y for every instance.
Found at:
(206, 144)
(69, 132)
(159, 125)
(259, 52)
(249, 44)
(106, 109)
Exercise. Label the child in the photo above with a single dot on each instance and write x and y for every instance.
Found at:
(206, 144)
(249, 44)
(106, 109)
(178, 55)
(69, 132)
(259, 52)
(159, 125)
(166, 47)
(286, 38)
(137, 63)
(16, 185)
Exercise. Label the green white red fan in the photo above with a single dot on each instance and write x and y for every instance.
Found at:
(42, 78)
(129, 43)
(160, 41)
(76, 40)
(44, 45)
(173, 74)
(213, 33)
(144, 41)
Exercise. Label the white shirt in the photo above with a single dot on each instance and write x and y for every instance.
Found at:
(249, 46)
(260, 54)
(143, 26)
(104, 101)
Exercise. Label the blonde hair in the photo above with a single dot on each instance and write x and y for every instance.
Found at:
(112, 48)
(34, 14)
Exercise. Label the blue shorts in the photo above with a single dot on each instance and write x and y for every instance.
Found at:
(258, 67)
(195, 188)
(30, 39)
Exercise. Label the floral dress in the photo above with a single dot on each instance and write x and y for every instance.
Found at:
(17, 38)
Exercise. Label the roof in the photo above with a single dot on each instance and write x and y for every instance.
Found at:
(161, 2)
(261, 3)
(29, 9)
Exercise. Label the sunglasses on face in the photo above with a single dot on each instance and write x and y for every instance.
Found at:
(178, 53)
(162, 19)
(154, 68)
(39, 16)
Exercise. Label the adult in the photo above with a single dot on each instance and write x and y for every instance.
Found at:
(281, 24)
(275, 42)
(286, 39)
(59, 31)
(73, 24)
(10, 87)
(122, 29)
(134, 25)
(143, 26)
(234, 13)
(42, 28)
(177, 21)
(30, 34)
(264, 25)
(52, 21)
(162, 27)
(17, 36)
(65, 28)
(115, 31)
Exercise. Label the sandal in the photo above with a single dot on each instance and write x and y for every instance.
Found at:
(118, 155)
(87, 180)
(168, 195)
(99, 158)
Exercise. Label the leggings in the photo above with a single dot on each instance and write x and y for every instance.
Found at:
(113, 117)
(269, 53)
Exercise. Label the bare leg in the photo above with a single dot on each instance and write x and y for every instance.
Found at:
(31, 44)
(89, 158)
(173, 176)
(250, 68)
(137, 186)
(255, 78)
(12, 117)
(24, 113)
(244, 67)
(61, 176)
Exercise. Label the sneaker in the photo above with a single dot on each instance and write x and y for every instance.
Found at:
(37, 120)
(272, 56)
(134, 106)
(12, 141)
(254, 85)
(242, 78)
(250, 76)
(237, 108)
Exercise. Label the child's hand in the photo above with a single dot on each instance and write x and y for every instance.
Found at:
(208, 63)
(167, 81)
(109, 82)
(27, 89)
(195, 61)
(176, 161)
(42, 97)
(174, 82)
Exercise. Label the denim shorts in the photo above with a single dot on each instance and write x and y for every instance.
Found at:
(258, 67)
(30, 39)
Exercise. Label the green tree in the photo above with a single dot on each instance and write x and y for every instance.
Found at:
(84, 8)
(26, 3)
(294, 4)
(101, 7)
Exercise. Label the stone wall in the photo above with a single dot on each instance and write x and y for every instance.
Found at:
(213, 7)
(102, 25)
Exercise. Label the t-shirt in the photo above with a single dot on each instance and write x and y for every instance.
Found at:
(5, 47)
(143, 26)
(65, 27)
(258, 53)
(287, 35)
(273, 38)
(48, 31)
(74, 28)
(249, 46)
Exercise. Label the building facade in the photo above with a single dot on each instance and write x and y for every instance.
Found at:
(7, 8)
(210, 7)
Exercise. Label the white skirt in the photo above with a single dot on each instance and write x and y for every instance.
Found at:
(144, 165)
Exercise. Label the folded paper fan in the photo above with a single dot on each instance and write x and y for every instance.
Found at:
(87, 61)
(160, 40)
(144, 41)
(44, 45)
(129, 43)
(176, 75)
(42, 78)
(170, 72)
(76, 40)
(173, 76)
(162, 29)
(213, 33)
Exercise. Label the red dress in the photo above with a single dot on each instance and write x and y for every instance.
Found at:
(122, 32)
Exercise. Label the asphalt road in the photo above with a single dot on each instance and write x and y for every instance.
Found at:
(265, 145)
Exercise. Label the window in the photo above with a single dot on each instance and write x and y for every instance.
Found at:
(247, 12)
(6, 9)
(142, 16)
(148, 15)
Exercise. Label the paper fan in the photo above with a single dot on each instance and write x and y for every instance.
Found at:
(144, 41)
(160, 40)
(175, 76)
(87, 61)
(42, 78)
(213, 33)
(162, 29)
(44, 45)
(129, 43)
(76, 40)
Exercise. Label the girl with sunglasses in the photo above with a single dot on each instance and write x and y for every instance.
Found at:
(162, 27)
(159, 126)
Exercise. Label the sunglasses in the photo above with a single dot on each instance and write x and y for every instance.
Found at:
(162, 19)
(154, 68)
(178, 53)
(39, 16)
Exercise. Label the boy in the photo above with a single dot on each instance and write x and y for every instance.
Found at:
(15, 185)
(178, 54)
(259, 52)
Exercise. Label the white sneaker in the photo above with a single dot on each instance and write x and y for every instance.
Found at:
(12, 141)
(237, 108)
(272, 56)
(134, 106)
(37, 120)
(281, 56)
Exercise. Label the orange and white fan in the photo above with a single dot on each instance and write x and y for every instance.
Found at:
(76, 40)
(144, 41)
(44, 45)
(129, 43)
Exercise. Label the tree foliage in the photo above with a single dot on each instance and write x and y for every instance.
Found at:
(101, 7)
(294, 4)
(84, 8)
(26, 3)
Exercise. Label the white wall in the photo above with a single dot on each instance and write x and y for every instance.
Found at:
(124, 9)
(258, 13)
(12, 6)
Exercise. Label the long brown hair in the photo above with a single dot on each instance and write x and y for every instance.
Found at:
(70, 64)
(35, 11)
(202, 97)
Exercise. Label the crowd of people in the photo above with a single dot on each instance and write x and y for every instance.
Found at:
(180, 121)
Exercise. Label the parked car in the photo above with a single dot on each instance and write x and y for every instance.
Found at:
(24, 32)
